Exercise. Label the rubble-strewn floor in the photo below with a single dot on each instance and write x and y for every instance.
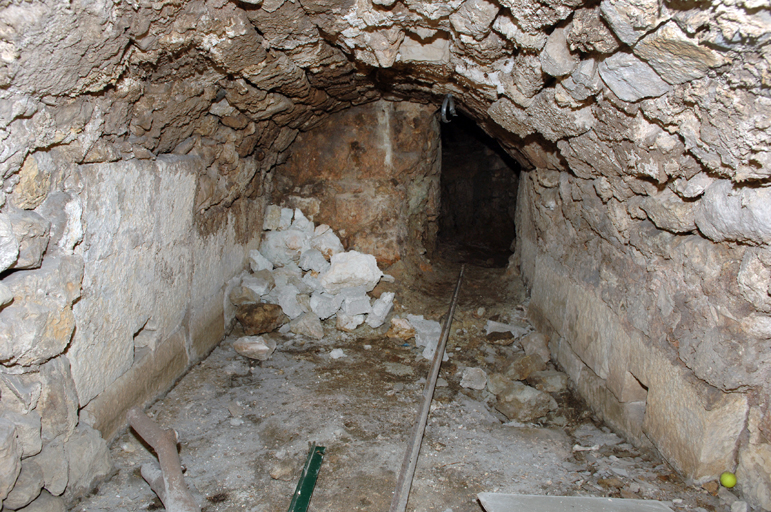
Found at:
(245, 426)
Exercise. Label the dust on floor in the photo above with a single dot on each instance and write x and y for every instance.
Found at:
(244, 426)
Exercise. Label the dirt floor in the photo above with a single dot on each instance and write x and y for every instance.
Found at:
(245, 426)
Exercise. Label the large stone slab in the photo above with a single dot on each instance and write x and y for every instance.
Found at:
(138, 263)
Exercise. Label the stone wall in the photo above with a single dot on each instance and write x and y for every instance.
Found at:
(372, 173)
(644, 126)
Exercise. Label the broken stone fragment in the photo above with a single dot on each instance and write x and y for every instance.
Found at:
(307, 324)
(355, 301)
(348, 323)
(536, 343)
(326, 241)
(255, 347)
(474, 18)
(46, 503)
(520, 367)
(500, 338)
(492, 326)
(27, 430)
(676, 57)
(301, 223)
(325, 305)
(10, 457)
(9, 245)
(473, 378)
(497, 382)
(287, 298)
(260, 318)
(630, 78)
(259, 262)
(259, 284)
(32, 232)
(556, 59)
(27, 488)
(283, 470)
(53, 461)
(549, 381)
(669, 212)
(272, 219)
(89, 460)
(427, 333)
(735, 213)
(349, 270)
(285, 219)
(632, 19)
(401, 328)
(313, 259)
(519, 402)
(380, 310)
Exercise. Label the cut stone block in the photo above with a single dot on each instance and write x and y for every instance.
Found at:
(349, 270)
(255, 347)
(312, 259)
(309, 325)
(380, 310)
(259, 262)
(325, 305)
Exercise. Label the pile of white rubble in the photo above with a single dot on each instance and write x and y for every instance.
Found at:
(304, 269)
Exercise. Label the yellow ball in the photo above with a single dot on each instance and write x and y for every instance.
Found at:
(728, 479)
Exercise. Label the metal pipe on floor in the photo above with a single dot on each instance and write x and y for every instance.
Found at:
(404, 482)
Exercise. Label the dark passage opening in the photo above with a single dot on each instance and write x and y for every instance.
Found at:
(479, 194)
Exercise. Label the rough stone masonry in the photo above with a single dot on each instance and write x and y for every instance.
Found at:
(140, 142)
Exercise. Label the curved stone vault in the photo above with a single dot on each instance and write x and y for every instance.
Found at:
(140, 142)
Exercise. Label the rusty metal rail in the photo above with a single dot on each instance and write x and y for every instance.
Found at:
(404, 482)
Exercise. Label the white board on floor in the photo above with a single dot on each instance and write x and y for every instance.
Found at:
(493, 502)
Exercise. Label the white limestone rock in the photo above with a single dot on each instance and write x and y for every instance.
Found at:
(285, 220)
(27, 488)
(286, 297)
(255, 347)
(676, 57)
(301, 223)
(89, 460)
(355, 301)
(351, 269)
(259, 262)
(519, 402)
(669, 212)
(556, 59)
(259, 284)
(307, 324)
(740, 214)
(53, 461)
(507, 27)
(326, 241)
(312, 259)
(474, 18)
(585, 80)
(436, 51)
(27, 430)
(694, 187)
(473, 378)
(536, 343)
(380, 310)
(427, 334)
(493, 326)
(348, 323)
(10, 457)
(9, 245)
(275, 247)
(6, 295)
(222, 108)
(32, 232)
(632, 19)
(325, 305)
(272, 219)
(630, 78)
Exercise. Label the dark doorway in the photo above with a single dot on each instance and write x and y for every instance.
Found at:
(479, 194)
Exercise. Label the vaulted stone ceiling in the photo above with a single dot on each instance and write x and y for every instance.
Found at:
(644, 125)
